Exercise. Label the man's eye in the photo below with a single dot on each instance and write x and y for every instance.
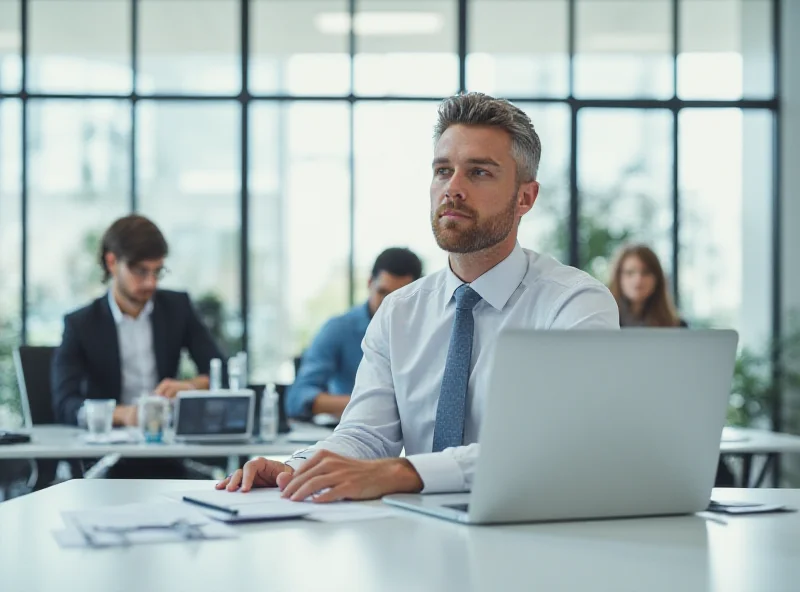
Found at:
(480, 172)
(442, 171)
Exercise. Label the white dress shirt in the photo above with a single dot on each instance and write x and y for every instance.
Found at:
(137, 357)
(397, 386)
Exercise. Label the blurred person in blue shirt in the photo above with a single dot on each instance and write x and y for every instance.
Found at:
(328, 369)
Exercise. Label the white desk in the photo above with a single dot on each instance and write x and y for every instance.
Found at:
(67, 442)
(747, 443)
(408, 552)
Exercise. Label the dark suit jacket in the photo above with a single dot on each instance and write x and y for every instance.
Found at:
(87, 364)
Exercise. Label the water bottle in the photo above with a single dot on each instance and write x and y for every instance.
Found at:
(269, 414)
(244, 375)
(215, 375)
(234, 375)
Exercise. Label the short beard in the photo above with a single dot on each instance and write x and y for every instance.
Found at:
(480, 235)
(129, 295)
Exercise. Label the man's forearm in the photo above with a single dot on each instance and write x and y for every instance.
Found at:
(125, 415)
(332, 404)
(200, 382)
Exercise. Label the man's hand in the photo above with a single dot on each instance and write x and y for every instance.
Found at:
(348, 478)
(170, 387)
(258, 472)
(126, 415)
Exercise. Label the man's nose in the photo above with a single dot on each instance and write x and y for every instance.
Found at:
(455, 187)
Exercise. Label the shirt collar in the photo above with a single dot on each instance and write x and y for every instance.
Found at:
(496, 285)
(119, 315)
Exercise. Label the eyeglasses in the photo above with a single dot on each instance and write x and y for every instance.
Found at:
(142, 273)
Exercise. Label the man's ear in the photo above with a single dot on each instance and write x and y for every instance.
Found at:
(526, 197)
(111, 262)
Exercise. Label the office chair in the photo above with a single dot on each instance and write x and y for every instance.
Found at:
(33, 366)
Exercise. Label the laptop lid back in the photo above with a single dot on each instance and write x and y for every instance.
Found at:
(592, 424)
(214, 416)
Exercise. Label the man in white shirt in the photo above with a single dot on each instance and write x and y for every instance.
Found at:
(423, 381)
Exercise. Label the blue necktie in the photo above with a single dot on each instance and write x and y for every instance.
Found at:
(450, 411)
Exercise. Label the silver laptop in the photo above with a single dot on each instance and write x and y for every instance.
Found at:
(214, 416)
(596, 424)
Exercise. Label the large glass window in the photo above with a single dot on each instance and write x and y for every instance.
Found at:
(10, 44)
(79, 46)
(623, 48)
(725, 188)
(625, 190)
(78, 183)
(299, 48)
(299, 227)
(393, 155)
(188, 182)
(545, 228)
(406, 47)
(733, 58)
(339, 102)
(187, 46)
(499, 64)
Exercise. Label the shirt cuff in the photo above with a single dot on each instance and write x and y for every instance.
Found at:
(439, 471)
(299, 458)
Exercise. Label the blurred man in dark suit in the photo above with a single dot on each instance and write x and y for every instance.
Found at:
(128, 342)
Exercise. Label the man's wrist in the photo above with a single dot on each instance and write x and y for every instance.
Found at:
(406, 477)
(199, 382)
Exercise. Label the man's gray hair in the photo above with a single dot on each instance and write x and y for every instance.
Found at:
(476, 108)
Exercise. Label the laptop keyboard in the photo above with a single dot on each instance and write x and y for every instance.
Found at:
(459, 507)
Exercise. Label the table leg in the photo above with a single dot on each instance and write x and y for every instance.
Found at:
(769, 462)
(234, 462)
(99, 469)
(747, 469)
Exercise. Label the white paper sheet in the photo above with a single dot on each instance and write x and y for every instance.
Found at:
(258, 504)
(130, 524)
(266, 503)
(72, 537)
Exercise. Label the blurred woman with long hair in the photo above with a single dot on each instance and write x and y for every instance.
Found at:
(639, 286)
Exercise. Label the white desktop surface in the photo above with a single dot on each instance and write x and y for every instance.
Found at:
(409, 552)
(752, 441)
(59, 441)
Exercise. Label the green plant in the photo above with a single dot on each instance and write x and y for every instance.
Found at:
(214, 316)
(754, 391)
(10, 411)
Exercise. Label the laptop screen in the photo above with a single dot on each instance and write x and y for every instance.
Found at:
(213, 415)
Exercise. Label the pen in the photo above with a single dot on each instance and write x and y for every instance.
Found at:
(231, 511)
